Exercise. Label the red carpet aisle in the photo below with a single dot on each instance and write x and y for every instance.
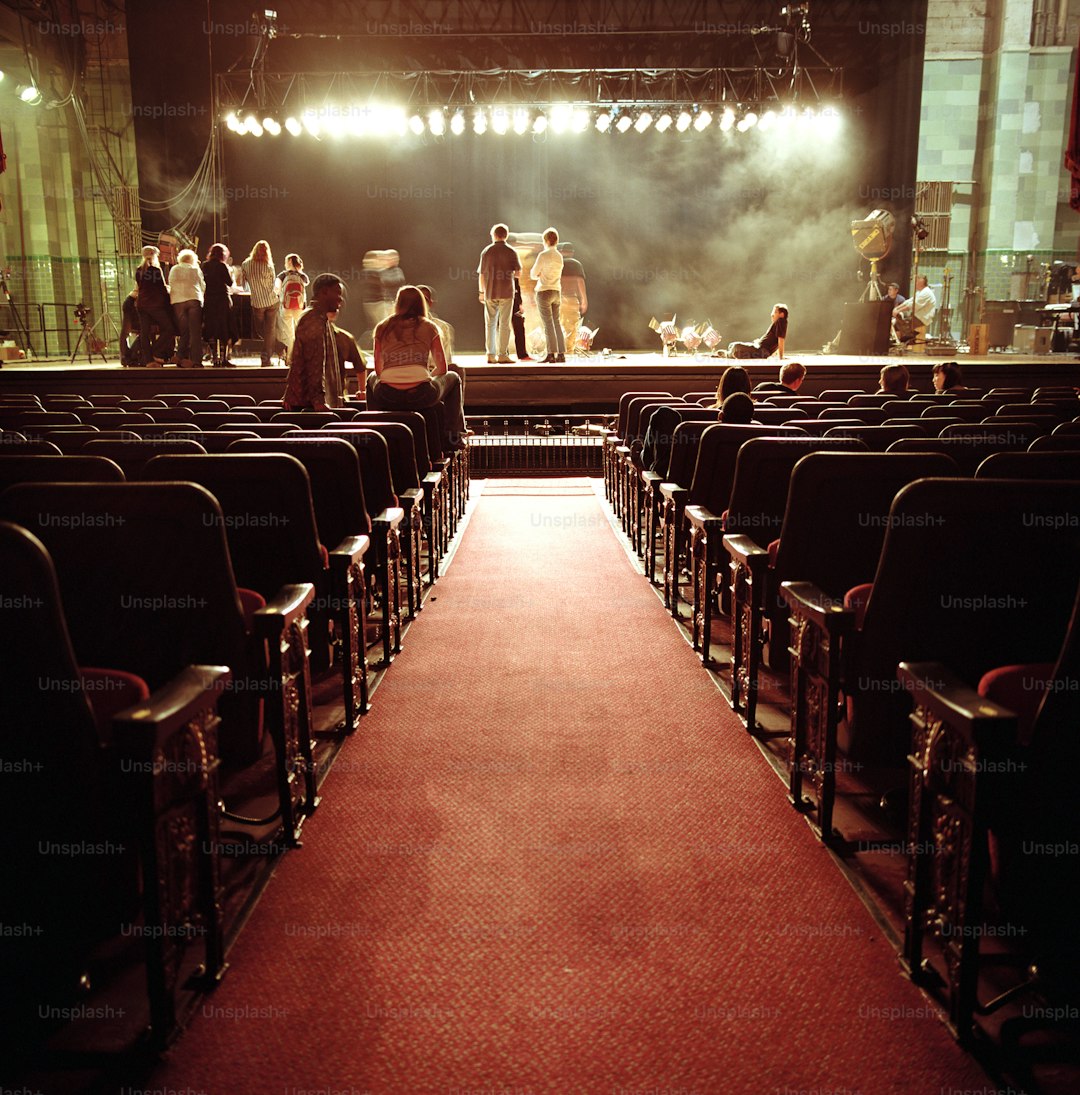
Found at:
(551, 861)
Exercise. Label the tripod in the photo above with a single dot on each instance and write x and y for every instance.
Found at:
(19, 326)
(873, 285)
(94, 345)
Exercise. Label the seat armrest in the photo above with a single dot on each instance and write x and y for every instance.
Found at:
(702, 517)
(979, 721)
(349, 551)
(413, 496)
(288, 605)
(744, 549)
(673, 492)
(818, 607)
(390, 518)
(650, 478)
(169, 709)
(432, 479)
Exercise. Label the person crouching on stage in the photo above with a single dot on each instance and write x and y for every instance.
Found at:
(404, 342)
(771, 342)
(316, 372)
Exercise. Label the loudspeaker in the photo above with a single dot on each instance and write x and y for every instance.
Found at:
(865, 329)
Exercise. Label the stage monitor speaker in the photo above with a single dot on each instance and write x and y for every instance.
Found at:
(865, 329)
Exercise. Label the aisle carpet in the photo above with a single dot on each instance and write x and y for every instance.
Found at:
(552, 861)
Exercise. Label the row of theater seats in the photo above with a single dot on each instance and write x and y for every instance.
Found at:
(938, 572)
(188, 610)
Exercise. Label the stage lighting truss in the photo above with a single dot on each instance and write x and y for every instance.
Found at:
(556, 101)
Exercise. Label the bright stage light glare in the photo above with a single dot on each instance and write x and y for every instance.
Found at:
(272, 126)
(310, 121)
(561, 117)
(457, 123)
(251, 125)
(232, 122)
(521, 120)
(416, 124)
(1, 74)
(500, 120)
(747, 121)
(768, 120)
(829, 123)
(603, 122)
(436, 121)
(540, 123)
(293, 126)
(581, 121)
(29, 94)
(663, 123)
(703, 121)
(480, 121)
(727, 119)
(643, 122)
(682, 123)
(624, 123)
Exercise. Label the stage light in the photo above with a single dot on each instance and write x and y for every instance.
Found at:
(1, 74)
(624, 123)
(702, 121)
(521, 120)
(603, 122)
(644, 120)
(581, 121)
(416, 124)
(457, 123)
(310, 120)
(251, 125)
(682, 123)
(561, 117)
(768, 120)
(540, 123)
(436, 121)
(747, 121)
(272, 126)
(663, 123)
(727, 119)
(829, 123)
(480, 121)
(29, 94)
(233, 123)
(293, 126)
(500, 120)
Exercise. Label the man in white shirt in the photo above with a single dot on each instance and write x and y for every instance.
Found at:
(924, 306)
(547, 272)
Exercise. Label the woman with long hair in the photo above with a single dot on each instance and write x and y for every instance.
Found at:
(152, 303)
(217, 304)
(262, 283)
(410, 364)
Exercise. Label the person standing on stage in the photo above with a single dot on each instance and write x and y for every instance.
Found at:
(186, 290)
(217, 304)
(575, 301)
(316, 369)
(771, 342)
(923, 307)
(547, 271)
(259, 277)
(499, 266)
(152, 302)
(293, 295)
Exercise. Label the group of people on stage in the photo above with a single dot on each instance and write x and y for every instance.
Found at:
(560, 296)
(178, 311)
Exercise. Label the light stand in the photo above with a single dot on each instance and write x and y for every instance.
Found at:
(94, 345)
(19, 325)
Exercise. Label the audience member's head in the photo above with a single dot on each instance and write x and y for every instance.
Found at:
(218, 252)
(792, 374)
(499, 231)
(734, 379)
(188, 257)
(551, 237)
(893, 380)
(737, 409)
(947, 376)
(429, 295)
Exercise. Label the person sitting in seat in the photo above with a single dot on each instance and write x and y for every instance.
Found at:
(792, 374)
(734, 379)
(771, 342)
(893, 380)
(947, 378)
(738, 409)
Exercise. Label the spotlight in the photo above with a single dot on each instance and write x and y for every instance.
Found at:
(29, 94)
(829, 123)
(500, 119)
(703, 121)
(437, 122)
(251, 125)
(643, 122)
(457, 123)
(540, 123)
(293, 126)
(310, 120)
(682, 123)
(480, 121)
(581, 121)
(232, 123)
(747, 121)
(521, 120)
(727, 119)
(624, 123)
(416, 124)
(561, 117)
(272, 126)
(603, 122)
(768, 120)
(663, 123)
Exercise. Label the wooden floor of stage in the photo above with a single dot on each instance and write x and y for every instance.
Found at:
(581, 385)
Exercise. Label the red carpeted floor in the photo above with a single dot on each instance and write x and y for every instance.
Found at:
(552, 861)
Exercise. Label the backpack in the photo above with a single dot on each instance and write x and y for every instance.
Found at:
(293, 297)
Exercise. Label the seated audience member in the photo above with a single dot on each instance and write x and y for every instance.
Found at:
(792, 374)
(893, 380)
(737, 409)
(947, 378)
(446, 334)
(771, 342)
(734, 379)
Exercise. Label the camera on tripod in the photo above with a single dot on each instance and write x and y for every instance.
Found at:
(81, 312)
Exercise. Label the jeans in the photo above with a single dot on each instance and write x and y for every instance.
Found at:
(188, 315)
(498, 325)
(548, 303)
(444, 389)
(264, 320)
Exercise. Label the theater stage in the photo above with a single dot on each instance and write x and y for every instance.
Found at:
(583, 385)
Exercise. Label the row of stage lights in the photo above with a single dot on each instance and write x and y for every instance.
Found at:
(394, 121)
